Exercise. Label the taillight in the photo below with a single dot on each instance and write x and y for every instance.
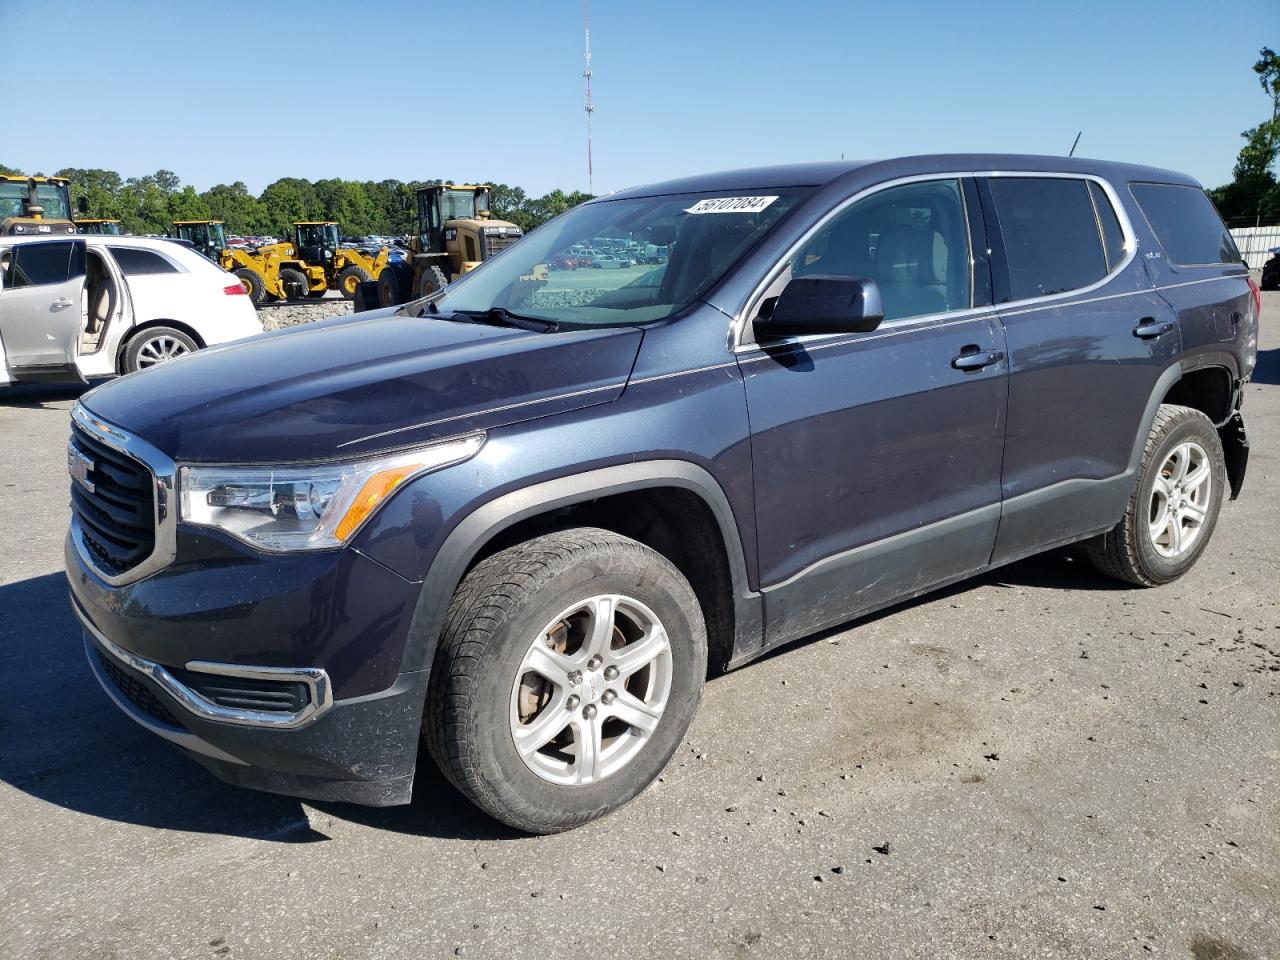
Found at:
(1257, 296)
(237, 288)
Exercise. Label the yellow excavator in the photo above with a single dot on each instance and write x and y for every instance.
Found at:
(455, 234)
(35, 206)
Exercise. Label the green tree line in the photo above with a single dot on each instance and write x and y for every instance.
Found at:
(1253, 195)
(151, 203)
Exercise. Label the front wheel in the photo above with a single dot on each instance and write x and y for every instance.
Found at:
(431, 280)
(568, 672)
(157, 345)
(1174, 507)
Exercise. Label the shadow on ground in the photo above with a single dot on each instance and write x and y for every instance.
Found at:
(36, 395)
(66, 744)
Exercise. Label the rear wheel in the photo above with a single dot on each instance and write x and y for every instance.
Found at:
(157, 345)
(253, 284)
(349, 280)
(294, 284)
(1174, 507)
(569, 670)
(431, 280)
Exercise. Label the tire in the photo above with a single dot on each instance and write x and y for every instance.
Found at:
(253, 285)
(156, 345)
(481, 684)
(294, 283)
(1143, 550)
(393, 284)
(349, 280)
(431, 280)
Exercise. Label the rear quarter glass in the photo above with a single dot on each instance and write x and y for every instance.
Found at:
(1184, 220)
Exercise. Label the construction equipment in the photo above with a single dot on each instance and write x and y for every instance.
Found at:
(455, 234)
(35, 205)
(328, 264)
(110, 228)
(262, 272)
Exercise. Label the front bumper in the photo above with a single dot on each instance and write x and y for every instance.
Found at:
(155, 645)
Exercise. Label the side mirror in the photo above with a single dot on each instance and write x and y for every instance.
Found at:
(82, 205)
(820, 304)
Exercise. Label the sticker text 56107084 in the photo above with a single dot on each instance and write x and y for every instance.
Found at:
(731, 205)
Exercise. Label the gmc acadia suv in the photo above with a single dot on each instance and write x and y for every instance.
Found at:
(522, 517)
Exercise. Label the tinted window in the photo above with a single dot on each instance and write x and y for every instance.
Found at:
(1050, 234)
(1186, 224)
(134, 261)
(911, 240)
(37, 264)
(1109, 223)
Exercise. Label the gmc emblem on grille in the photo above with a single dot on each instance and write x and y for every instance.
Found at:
(78, 465)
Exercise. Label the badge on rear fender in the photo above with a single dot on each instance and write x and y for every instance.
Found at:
(731, 205)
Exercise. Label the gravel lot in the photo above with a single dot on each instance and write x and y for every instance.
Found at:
(1036, 763)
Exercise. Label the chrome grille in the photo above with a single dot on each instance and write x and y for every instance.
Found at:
(491, 243)
(113, 499)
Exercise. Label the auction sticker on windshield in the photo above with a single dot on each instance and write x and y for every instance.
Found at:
(731, 205)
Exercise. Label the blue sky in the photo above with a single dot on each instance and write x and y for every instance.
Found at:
(224, 91)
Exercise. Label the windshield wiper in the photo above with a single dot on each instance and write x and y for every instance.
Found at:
(502, 317)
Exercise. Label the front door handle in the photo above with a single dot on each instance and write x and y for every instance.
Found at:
(62, 302)
(1149, 329)
(971, 358)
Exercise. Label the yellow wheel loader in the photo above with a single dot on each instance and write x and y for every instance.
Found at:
(319, 247)
(271, 272)
(35, 206)
(455, 234)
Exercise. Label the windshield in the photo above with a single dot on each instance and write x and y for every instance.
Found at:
(457, 205)
(52, 196)
(11, 197)
(622, 262)
(55, 200)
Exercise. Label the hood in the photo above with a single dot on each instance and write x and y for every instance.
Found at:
(361, 384)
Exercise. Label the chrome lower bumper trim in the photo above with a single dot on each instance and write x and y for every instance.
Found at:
(316, 680)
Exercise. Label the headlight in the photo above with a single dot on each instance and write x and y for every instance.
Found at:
(310, 506)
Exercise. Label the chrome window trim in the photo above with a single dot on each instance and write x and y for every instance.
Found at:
(738, 327)
(163, 474)
(316, 680)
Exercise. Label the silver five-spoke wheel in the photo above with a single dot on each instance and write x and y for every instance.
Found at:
(161, 349)
(1180, 499)
(591, 690)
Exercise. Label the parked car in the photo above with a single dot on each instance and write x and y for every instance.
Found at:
(96, 306)
(1271, 271)
(611, 262)
(521, 521)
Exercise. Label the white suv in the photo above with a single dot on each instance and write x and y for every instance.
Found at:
(72, 308)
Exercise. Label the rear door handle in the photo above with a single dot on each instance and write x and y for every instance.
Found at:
(977, 359)
(62, 302)
(1149, 329)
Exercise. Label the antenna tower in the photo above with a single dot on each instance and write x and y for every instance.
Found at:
(590, 108)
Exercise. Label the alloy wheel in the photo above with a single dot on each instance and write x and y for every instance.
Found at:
(160, 350)
(1180, 499)
(591, 690)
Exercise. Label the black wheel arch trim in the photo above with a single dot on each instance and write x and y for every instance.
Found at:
(477, 528)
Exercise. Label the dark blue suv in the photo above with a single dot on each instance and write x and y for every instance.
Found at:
(520, 519)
